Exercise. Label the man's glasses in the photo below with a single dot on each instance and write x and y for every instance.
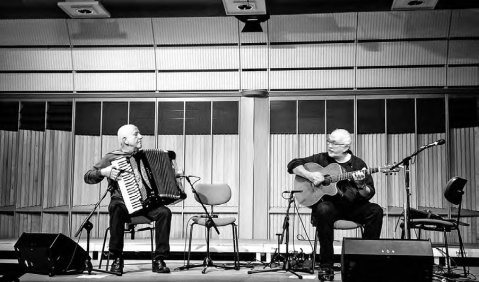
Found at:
(335, 144)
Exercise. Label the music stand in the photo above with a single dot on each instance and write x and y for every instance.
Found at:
(287, 259)
(87, 225)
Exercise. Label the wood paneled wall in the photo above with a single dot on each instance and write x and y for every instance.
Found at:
(43, 187)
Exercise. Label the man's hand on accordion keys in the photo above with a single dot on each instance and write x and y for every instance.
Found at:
(112, 172)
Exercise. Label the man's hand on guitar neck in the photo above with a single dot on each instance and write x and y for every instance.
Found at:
(360, 177)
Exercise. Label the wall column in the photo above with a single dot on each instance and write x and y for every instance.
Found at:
(254, 168)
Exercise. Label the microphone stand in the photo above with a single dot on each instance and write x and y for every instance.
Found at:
(207, 261)
(407, 209)
(286, 263)
(87, 225)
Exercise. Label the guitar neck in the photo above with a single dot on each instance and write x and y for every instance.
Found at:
(349, 175)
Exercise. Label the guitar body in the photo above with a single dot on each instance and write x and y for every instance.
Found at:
(311, 194)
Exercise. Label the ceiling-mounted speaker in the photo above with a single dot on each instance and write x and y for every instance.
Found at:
(413, 5)
(86, 9)
(252, 23)
(244, 7)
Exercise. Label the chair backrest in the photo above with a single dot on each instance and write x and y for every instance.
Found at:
(455, 189)
(213, 194)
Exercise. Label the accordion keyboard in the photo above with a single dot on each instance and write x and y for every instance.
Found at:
(128, 186)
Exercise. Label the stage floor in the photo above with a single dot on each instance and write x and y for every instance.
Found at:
(141, 271)
(253, 253)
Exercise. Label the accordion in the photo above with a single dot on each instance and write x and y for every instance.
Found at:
(148, 180)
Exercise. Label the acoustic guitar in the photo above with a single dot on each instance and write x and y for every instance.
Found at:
(333, 173)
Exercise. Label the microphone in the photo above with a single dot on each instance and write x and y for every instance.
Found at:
(293, 191)
(437, 143)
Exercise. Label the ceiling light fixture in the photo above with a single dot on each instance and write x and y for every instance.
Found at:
(244, 7)
(84, 9)
(413, 4)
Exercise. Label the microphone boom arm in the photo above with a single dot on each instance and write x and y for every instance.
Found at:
(405, 163)
(210, 220)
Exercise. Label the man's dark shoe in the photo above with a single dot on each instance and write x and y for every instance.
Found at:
(326, 274)
(117, 266)
(159, 266)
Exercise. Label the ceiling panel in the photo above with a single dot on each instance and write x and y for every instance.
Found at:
(18, 9)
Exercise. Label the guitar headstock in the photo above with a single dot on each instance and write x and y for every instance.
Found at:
(389, 170)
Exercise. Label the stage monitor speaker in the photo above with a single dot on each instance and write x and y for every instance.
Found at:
(51, 254)
(386, 260)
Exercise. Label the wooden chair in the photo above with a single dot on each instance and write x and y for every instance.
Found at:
(453, 193)
(130, 227)
(340, 224)
(213, 195)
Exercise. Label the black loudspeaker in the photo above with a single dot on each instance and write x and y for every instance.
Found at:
(386, 260)
(51, 254)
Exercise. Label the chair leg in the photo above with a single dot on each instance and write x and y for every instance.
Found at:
(151, 244)
(461, 250)
(448, 259)
(314, 250)
(103, 250)
(235, 246)
(189, 244)
(207, 261)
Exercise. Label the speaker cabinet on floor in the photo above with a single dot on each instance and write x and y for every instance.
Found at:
(386, 260)
(51, 254)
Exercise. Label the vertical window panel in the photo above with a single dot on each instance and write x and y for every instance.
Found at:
(463, 144)
(283, 117)
(311, 116)
(170, 118)
(225, 117)
(370, 116)
(115, 114)
(198, 118)
(400, 116)
(87, 118)
(142, 114)
(340, 114)
(431, 116)
(59, 116)
(9, 116)
(32, 116)
(463, 112)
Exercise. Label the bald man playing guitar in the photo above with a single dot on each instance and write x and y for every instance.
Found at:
(348, 187)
